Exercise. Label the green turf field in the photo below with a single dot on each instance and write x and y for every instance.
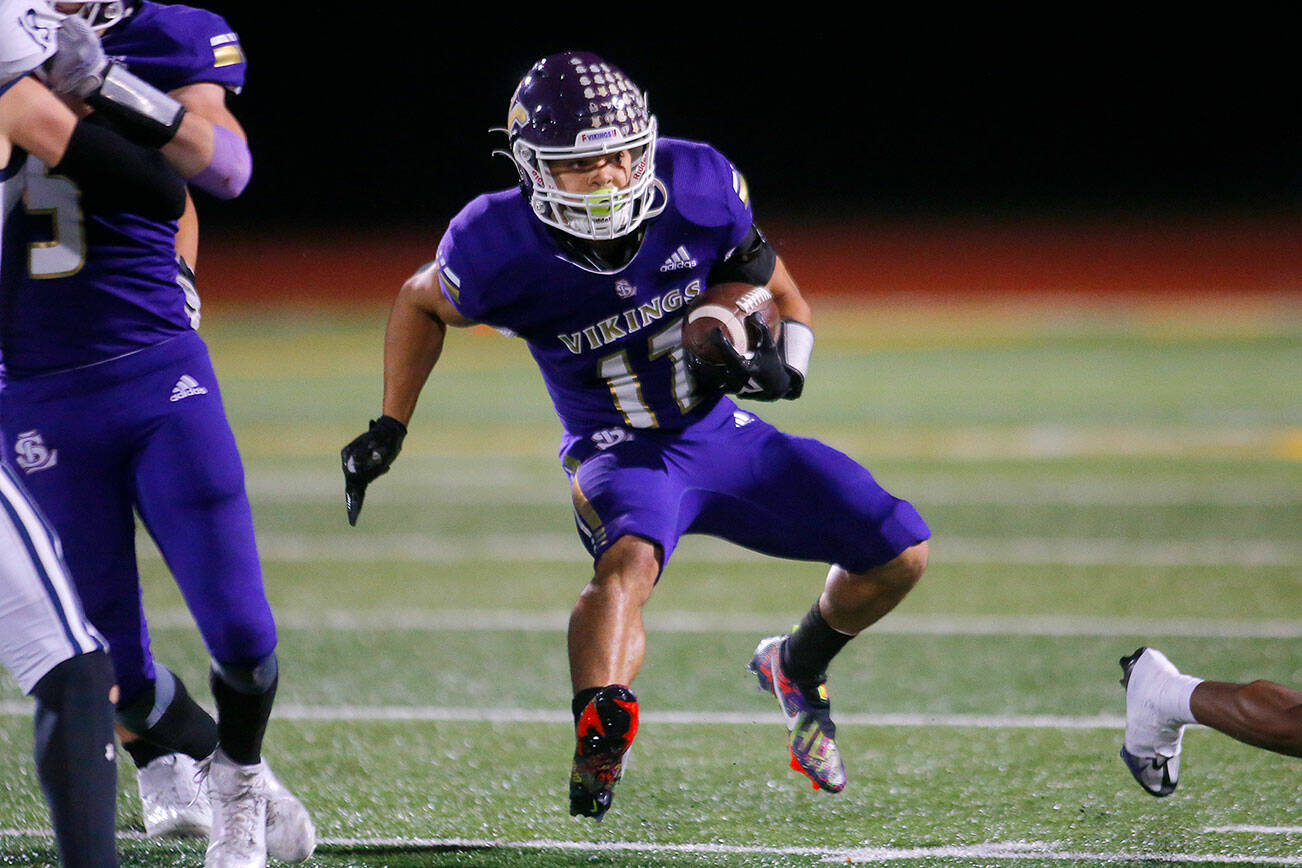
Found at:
(1096, 478)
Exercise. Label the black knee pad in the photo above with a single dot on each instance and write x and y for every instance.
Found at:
(244, 697)
(90, 673)
(253, 679)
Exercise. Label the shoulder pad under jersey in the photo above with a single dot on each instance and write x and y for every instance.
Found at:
(171, 46)
(705, 187)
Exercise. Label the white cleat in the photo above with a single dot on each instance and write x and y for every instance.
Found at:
(291, 836)
(1151, 749)
(174, 798)
(239, 797)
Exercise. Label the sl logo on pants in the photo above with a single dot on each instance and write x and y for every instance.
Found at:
(31, 454)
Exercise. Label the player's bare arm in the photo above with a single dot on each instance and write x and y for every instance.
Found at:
(413, 343)
(210, 149)
(791, 304)
(199, 135)
(413, 340)
(187, 234)
(35, 120)
(104, 164)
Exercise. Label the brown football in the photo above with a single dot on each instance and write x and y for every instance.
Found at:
(726, 306)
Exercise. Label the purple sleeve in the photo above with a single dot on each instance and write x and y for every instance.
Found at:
(173, 46)
(450, 279)
(738, 198)
(460, 280)
(471, 256)
(709, 190)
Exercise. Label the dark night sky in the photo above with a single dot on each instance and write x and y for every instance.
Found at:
(364, 125)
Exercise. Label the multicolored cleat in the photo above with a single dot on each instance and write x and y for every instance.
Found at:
(604, 734)
(812, 735)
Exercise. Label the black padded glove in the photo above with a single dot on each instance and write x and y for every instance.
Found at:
(368, 457)
(770, 378)
(762, 377)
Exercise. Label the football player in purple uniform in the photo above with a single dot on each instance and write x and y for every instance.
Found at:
(1161, 701)
(594, 266)
(106, 376)
(46, 642)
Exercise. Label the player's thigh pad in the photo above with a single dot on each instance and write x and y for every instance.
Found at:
(620, 485)
(799, 498)
(190, 491)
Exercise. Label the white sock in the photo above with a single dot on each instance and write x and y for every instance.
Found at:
(1173, 700)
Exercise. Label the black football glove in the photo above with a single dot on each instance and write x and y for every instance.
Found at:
(368, 457)
(720, 376)
(762, 377)
(770, 378)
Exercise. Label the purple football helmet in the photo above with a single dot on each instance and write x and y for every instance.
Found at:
(572, 106)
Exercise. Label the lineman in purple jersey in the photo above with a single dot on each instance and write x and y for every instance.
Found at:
(46, 642)
(106, 376)
(594, 266)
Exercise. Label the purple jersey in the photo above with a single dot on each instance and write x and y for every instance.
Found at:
(99, 285)
(609, 345)
(646, 454)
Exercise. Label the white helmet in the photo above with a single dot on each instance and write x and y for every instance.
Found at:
(101, 14)
(28, 31)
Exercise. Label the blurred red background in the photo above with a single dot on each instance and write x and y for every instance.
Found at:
(1171, 259)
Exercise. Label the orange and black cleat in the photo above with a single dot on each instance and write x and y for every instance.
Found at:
(604, 734)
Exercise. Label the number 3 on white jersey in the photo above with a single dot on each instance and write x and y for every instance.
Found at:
(60, 198)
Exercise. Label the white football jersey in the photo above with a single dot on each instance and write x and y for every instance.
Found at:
(27, 36)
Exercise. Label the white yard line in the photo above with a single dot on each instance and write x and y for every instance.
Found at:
(492, 485)
(442, 548)
(1013, 851)
(1257, 830)
(451, 714)
(670, 621)
(1037, 852)
(551, 491)
(710, 718)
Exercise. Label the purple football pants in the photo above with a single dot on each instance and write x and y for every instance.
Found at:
(145, 432)
(734, 476)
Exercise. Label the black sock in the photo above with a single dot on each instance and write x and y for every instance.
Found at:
(75, 759)
(182, 727)
(811, 646)
(143, 752)
(242, 717)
